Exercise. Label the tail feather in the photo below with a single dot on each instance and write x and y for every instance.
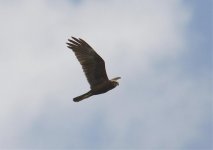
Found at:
(81, 97)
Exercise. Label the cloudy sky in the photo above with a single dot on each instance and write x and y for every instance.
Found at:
(161, 48)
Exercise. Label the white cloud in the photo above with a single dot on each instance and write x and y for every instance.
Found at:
(155, 104)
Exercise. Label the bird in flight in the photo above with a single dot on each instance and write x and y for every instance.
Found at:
(94, 68)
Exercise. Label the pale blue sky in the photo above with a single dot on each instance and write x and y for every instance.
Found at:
(162, 49)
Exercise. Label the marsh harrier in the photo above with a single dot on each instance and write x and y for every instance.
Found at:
(94, 68)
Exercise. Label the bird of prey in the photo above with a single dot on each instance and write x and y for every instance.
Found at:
(94, 68)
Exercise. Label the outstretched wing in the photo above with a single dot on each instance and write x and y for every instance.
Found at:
(93, 65)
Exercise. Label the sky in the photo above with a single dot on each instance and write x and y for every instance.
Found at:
(162, 49)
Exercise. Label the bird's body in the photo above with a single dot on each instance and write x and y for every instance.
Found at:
(94, 68)
(100, 89)
(103, 88)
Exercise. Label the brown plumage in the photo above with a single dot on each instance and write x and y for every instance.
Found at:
(94, 68)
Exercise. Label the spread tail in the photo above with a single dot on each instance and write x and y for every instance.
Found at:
(81, 97)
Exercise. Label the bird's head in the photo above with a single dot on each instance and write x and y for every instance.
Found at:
(114, 81)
